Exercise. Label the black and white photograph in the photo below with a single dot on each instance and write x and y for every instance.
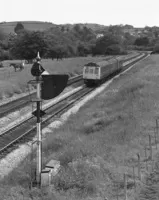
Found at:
(79, 100)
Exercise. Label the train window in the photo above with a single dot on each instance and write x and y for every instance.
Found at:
(91, 71)
(96, 70)
(86, 70)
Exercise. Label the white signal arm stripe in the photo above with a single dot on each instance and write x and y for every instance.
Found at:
(45, 73)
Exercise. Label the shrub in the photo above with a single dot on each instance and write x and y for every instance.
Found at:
(114, 49)
(81, 178)
(156, 48)
(4, 55)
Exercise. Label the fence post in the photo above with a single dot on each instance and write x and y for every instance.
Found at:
(139, 166)
(117, 195)
(134, 178)
(150, 147)
(146, 158)
(125, 187)
(115, 185)
(155, 138)
(157, 126)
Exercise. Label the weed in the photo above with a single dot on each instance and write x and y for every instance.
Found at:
(79, 177)
(53, 145)
(92, 126)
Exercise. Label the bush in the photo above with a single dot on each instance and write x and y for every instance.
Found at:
(156, 48)
(1, 65)
(81, 178)
(143, 48)
(114, 49)
(4, 55)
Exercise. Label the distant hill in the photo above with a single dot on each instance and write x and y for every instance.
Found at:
(8, 27)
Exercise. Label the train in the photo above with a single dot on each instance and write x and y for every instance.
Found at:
(96, 73)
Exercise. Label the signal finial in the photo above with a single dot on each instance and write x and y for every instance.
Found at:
(38, 56)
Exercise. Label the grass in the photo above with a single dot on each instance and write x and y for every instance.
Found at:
(12, 82)
(99, 144)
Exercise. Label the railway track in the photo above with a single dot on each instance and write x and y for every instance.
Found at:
(26, 100)
(27, 128)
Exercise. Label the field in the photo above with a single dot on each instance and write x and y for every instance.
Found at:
(100, 143)
(12, 82)
(8, 27)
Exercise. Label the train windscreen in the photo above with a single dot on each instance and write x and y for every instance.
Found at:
(96, 70)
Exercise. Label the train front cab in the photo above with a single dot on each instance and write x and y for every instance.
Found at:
(91, 75)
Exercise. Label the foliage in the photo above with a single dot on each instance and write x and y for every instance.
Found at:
(82, 49)
(141, 41)
(129, 39)
(2, 35)
(4, 55)
(114, 49)
(18, 28)
(62, 41)
(82, 179)
(115, 30)
(27, 44)
(156, 48)
(102, 45)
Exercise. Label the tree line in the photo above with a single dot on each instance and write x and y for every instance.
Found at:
(61, 42)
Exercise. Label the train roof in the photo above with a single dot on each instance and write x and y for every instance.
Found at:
(107, 62)
(100, 64)
(92, 64)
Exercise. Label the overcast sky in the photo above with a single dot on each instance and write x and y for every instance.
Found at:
(138, 13)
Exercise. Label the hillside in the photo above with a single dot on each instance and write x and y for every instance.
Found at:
(8, 27)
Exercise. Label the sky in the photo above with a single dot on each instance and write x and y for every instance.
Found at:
(139, 13)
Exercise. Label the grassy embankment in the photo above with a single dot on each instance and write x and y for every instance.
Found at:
(100, 143)
(12, 82)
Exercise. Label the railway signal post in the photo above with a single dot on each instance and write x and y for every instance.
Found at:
(48, 86)
(36, 71)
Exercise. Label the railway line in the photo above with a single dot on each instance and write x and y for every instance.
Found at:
(26, 100)
(26, 129)
(28, 126)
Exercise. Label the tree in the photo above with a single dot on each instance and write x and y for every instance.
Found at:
(116, 30)
(82, 49)
(129, 39)
(114, 49)
(2, 35)
(27, 44)
(104, 42)
(4, 55)
(142, 41)
(62, 28)
(19, 27)
(156, 48)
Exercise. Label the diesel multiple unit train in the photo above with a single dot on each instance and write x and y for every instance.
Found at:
(95, 73)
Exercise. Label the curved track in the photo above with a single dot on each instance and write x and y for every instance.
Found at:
(25, 100)
(27, 127)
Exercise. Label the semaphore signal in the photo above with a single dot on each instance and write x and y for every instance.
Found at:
(48, 86)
